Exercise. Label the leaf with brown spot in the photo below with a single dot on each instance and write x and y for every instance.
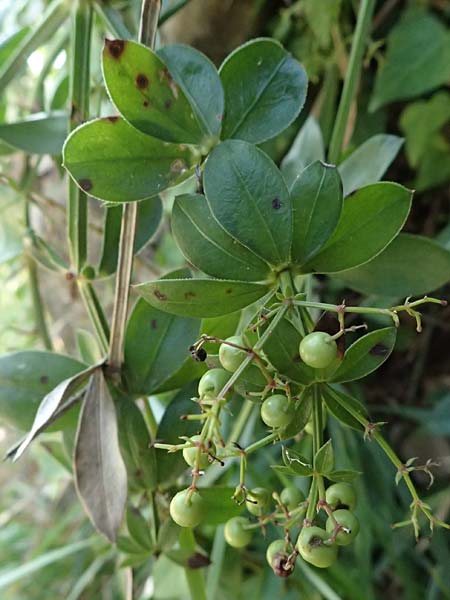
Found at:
(122, 164)
(138, 75)
(100, 473)
(208, 297)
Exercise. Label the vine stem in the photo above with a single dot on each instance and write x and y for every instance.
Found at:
(351, 79)
(147, 32)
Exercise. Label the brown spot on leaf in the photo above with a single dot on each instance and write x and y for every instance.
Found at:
(198, 561)
(85, 184)
(113, 119)
(167, 104)
(44, 379)
(189, 295)
(276, 203)
(178, 166)
(115, 47)
(229, 291)
(159, 295)
(142, 81)
(378, 350)
(146, 103)
(154, 324)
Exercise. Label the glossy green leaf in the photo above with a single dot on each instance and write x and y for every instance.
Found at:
(302, 414)
(307, 147)
(40, 133)
(336, 402)
(410, 265)
(100, 473)
(171, 427)
(208, 246)
(370, 219)
(219, 505)
(87, 347)
(9, 44)
(25, 378)
(345, 475)
(112, 161)
(282, 351)
(324, 459)
(248, 196)
(265, 89)
(147, 94)
(417, 59)
(200, 297)
(366, 355)
(298, 464)
(149, 214)
(198, 78)
(135, 446)
(369, 162)
(156, 346)
(139, 528)
(316, 197)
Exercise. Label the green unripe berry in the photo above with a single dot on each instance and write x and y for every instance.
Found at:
(187, 511)
(277, 411)
(291, 497)
(235, 532)
(341, 495)
(312, 547)
(230, 357)
(190, 453)
(349, 521)
(258, 500)
(318, 350)
(212, 382)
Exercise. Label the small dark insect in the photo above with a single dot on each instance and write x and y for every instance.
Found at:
(199, 355)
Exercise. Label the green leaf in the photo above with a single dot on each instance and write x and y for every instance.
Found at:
(25, 378)
(200, 297)
(369, 162)
(410, 265)
(100, 473)
(50, 404)
(370, 219)
(316, 197)
(9, 44)
(198, 78)
(171, 427)
(139, 528)
(417, 59)
(130, 546)
(265, 89)
(156, 346)
(135, 446)
(11, 244)
(148, 219)
(209, 247)
(282, 351)
(345, 475)
(37, 134)
(147, 94)
(307, 147)
(421, 121)
(87, 347)
(302, 414)
(296, 462)
(336, 401)
(366, 355)
(219, 505)
(248, 196)
(324, 459)
(112, 161)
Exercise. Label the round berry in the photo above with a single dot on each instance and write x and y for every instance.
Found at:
(318, 350)
(291, 497)
(190, 453)
(236, 532)
(314, 547)
(212, 382)
(341, 495)
(309, 427)
(277, 411)
(258, 500)
(349, 521)
(278, 547)
(187, 511)
(230, 357)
